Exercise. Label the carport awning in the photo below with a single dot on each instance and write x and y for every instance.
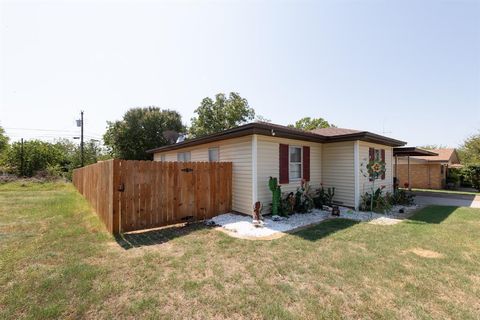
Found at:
(412, 151)
(409, 152)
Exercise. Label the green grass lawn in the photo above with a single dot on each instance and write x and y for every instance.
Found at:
(447, 191)
(57, 260)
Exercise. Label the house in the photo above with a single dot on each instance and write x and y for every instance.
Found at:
(427, 172)
(332, 157)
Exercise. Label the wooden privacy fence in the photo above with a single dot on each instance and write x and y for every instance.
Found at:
(132, 195)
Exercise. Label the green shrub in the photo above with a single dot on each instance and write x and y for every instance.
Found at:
(472, 174)
(323, 197)
(402, 197)
(302, 201)
(303, 198)
(453, 177)
(381, 203)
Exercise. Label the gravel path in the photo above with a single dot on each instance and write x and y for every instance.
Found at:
(242, 226)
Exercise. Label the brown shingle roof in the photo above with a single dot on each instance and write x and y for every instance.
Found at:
(270, 129)
(332, 132)
(443, 155)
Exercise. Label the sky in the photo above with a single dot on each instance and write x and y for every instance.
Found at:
(406, 69)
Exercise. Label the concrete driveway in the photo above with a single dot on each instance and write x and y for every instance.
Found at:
(447, 199)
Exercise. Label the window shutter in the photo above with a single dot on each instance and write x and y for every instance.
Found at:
(283, 157)
(383, 159)
(371, 157)
(306, 163)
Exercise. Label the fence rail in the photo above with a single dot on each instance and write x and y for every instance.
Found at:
(134, 195)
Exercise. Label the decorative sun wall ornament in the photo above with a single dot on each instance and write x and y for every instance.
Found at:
(376, 168)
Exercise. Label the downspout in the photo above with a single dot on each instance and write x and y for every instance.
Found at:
(356, 170)
(254, 169)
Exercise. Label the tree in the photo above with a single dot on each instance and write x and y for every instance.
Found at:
(469, 152)
(92, 151)
(309, 124)
(35, 156)
(141, 129)
(3, 140)
(219, 115)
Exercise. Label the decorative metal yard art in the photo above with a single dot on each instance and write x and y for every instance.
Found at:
(335, 211)
(276, 195)
(374, 169)
(257, 214)
(291, 201)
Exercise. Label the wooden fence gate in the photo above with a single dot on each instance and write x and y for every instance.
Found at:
(134, 195)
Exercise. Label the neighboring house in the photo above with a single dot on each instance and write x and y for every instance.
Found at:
(258, 150)
(427, 172)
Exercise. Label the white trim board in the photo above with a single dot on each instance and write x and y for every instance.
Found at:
(356, 172)
(254, 169)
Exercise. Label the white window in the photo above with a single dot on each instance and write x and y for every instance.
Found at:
(163, 158)
(295, 157)
(184, 156)
(213, 154)
(378, 155)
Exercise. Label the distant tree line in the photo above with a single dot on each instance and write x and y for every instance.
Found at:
(139, 130)
(52, 159)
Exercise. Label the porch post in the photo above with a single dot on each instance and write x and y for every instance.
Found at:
(396, 167)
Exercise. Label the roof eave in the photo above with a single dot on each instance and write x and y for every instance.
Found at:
(266, 129)
(368, 137)
(245, 130)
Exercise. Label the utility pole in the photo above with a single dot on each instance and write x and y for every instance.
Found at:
(21, 159)
(81, 138)
(80, 124)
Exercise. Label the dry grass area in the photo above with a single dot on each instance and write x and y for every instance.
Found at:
(57, 261)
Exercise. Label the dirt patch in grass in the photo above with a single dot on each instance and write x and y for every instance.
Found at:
(424, 253)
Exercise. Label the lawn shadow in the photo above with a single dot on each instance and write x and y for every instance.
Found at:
(433, 214)
(324, 229)
(157, 236)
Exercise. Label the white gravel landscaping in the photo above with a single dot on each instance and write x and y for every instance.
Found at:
(242, 226)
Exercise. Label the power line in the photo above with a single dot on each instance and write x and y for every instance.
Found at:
(18, 135)
(52, 130)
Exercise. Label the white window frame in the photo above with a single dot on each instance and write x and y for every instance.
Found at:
(181, 156)
(163, 158)
(217, 149)
(296, 163)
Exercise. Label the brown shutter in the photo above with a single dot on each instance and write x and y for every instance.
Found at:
(284, 163)
(306, 163)
(371, 156)
(383, 159)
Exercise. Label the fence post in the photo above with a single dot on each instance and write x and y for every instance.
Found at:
(115, 213)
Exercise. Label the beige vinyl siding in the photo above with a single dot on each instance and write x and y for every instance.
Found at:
(239, 152)
(268, 166)
(365, 184)
(338, 171)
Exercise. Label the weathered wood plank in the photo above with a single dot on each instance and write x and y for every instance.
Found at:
(154, 194)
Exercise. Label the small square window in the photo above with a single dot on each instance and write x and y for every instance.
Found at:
(213, 154)
(163, 158)
(183, 156)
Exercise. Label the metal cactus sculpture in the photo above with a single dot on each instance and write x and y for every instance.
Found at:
(276, 195)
